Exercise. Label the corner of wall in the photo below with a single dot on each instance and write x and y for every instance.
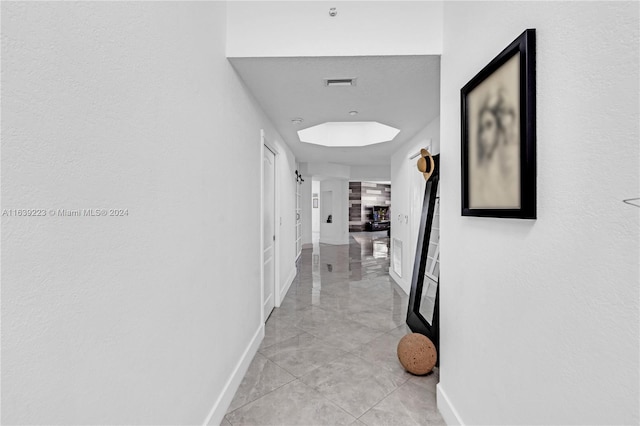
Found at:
(219, 409)
(447, 411)
(287, 284)
(404, 284)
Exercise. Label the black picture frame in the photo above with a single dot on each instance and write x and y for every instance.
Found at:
(498, 112)
(415, 320)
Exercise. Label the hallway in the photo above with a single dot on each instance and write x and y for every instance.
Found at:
(329, 352)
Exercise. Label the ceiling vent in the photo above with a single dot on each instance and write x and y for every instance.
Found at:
(339, 82)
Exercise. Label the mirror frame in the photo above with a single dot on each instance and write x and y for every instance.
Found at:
(416, 322)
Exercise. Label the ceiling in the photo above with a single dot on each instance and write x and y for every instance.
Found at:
(399, 91)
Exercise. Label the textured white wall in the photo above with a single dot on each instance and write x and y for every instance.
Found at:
(304, 28)
(539, 319)
(138, 319)
(401, 201)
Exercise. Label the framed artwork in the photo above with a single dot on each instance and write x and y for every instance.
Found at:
(498, 111)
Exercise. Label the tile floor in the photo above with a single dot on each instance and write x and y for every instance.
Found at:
(329, 352)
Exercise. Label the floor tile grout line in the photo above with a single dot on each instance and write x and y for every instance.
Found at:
(397, 390)
(349, 351)
(314, 369)
(389, 371)
(329, 401)
(280, 341)
(262, 396)
(318, 366)
(284, 368)
(257, 399)
(324, 341)
(379, 402)
(371, 364)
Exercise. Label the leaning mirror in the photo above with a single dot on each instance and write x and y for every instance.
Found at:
(423, 312)
(432, 268)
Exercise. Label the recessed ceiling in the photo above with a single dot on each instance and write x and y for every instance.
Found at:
(348, 133)
(400, 91)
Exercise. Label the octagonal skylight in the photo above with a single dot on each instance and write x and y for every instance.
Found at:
(348, 133)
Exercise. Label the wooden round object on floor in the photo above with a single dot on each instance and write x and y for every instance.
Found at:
(417, 354)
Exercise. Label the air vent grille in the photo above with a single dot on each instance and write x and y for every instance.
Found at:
(339, 82)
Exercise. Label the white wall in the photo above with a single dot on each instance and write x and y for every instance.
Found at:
(336, 232)
(265, 28)
(539, 319)
(404, 207)
(315, 213)
(127, 319)
(325, 170)
(307, 210)
(372, 173)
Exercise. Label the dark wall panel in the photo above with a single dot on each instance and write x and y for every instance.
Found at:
(362, 197)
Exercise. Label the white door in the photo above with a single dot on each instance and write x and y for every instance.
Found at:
(269, 161)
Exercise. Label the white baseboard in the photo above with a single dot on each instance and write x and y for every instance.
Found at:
(287, 284)
(223, 402)
(403, 284)
(447, 411)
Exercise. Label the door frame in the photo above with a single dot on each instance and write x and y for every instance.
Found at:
(265, 142)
